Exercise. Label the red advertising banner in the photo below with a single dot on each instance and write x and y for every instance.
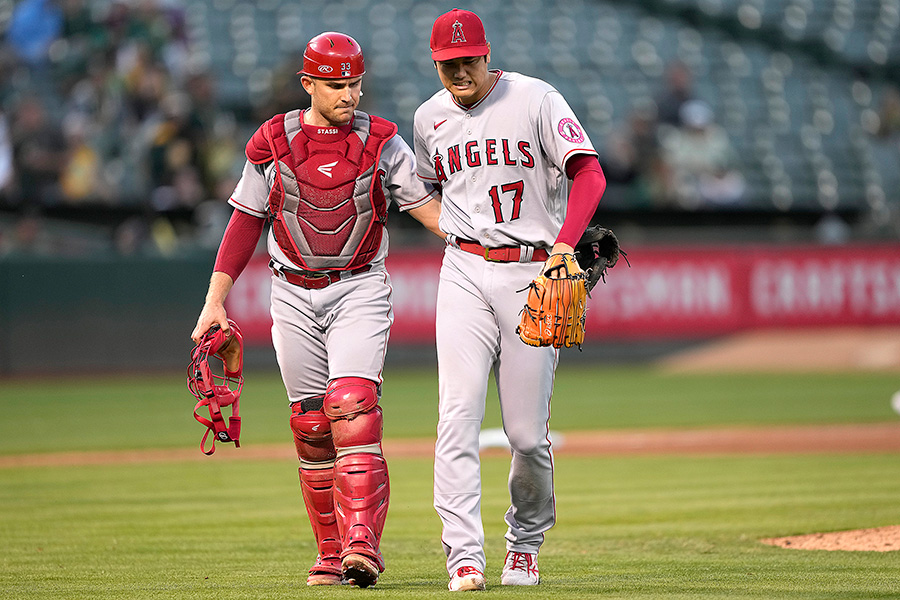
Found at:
(858, 286)
(668, 292)
(248, 301)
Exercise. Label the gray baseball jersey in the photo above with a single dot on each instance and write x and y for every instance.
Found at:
(340, 330)
(501, 166)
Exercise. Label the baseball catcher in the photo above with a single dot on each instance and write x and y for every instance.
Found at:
(323, 178)
(214, 390)
(554, 313)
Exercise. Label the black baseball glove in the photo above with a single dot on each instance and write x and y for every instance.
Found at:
(596, 251)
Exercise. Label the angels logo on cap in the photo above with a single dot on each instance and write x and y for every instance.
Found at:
(456, 34)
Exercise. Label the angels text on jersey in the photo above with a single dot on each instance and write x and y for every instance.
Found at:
(489, 152)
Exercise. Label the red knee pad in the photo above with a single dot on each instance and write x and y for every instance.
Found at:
(361, 494)
(347, 396)
(364, 429)
(312, 435)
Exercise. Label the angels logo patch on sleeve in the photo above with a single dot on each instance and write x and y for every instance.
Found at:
(570, 130)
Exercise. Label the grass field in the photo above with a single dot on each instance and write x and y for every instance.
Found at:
(154, 411)
(628, 526)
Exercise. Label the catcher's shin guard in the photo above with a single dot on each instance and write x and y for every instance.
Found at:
(361, 488)
(361, 494)
(312, 438)
(317, 486)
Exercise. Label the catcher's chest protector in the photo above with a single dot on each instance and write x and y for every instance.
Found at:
(326, 202)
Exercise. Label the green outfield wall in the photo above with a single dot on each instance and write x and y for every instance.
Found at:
(98, 314)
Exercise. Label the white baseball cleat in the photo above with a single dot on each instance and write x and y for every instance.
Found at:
(467, 579)
(520, 569)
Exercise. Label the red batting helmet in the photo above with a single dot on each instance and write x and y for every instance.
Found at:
(332, 55)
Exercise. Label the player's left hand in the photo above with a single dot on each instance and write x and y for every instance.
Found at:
(553, 267)
(554, 312)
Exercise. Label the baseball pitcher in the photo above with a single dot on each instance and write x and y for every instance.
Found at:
(502, 148)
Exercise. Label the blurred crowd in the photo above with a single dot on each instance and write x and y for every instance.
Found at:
(101, 106)
(672, 152)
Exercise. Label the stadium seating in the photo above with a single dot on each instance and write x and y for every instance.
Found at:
(796, 84)
(796, 124)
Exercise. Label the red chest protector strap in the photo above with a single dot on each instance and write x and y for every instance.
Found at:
(326, 203)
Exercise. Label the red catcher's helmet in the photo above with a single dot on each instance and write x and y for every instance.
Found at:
(332, 55)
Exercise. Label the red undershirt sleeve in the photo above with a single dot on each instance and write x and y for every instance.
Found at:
(238, 243)
(588, 185)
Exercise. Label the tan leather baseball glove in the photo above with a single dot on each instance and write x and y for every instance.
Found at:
(554, 311)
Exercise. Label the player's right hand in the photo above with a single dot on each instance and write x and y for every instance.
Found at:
(209, 316)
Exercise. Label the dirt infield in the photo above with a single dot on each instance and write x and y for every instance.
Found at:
(876, 437)
(880, 539)
(843, 348)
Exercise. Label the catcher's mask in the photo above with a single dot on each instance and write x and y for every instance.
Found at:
(215, 390)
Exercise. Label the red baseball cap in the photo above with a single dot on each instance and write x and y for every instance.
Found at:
(456, 34)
